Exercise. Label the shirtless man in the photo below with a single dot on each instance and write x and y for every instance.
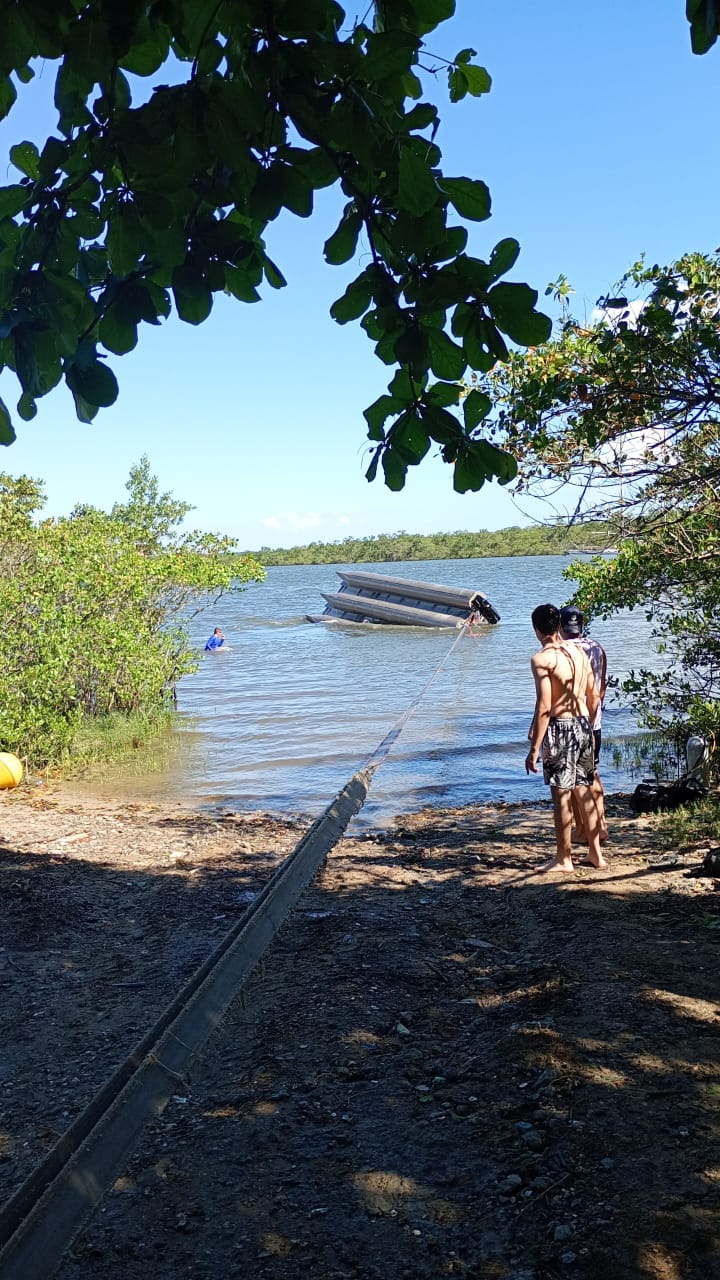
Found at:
(566, 700)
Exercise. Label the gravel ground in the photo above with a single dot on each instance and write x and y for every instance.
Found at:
(446, 1066)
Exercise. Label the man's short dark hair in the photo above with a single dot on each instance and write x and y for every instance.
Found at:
(546, 619)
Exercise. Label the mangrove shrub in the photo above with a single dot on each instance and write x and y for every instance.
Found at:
(95, 610)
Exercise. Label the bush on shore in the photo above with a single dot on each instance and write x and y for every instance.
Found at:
(96, 608)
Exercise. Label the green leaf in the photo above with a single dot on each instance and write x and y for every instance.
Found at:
(476, 406)
(389, 53)
(410, 438)
(239, 285)
(52, 158)
(273, 274)
(133, 302)
(505, 465)
(457, 84)
(340, 247)
(85, 411)
(71, 91)
(144, 59)
(395, 469)
(465, 55)
(27, 408)
(371, 472)
(704, 19)
(411, 85)
(478, 80)
(440, 424)
(403, 387)
(417, 188)
(319, 169)
(12, 200)
(353, 303)
(26, 365)
(472, 467)
(503, 257)
(426, 15)
(411, 348)
(470, 197)
(95, 383)
(377, 414)
(512, 307)
(479, 461)
(127, 241)
(281, 186)
(193, 299)
(477, 340)
(117, 333)
(420, 117)
(86, 220)
(8, 96)
(446, 359)
(443, 394)
(26, 158)
(7, 433)
(298, 17)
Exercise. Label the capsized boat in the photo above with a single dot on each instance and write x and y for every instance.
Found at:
(380, 597)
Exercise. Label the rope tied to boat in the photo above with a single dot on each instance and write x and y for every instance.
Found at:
(382, 751)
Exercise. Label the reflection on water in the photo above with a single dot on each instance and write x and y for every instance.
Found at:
(281, 719)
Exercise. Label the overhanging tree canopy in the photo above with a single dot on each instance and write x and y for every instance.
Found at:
(134, 207)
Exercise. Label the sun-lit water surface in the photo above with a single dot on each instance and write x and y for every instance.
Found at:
(281, 720)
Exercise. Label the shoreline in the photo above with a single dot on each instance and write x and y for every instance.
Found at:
(86, 793)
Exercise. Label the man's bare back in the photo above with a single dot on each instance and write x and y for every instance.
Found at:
(569, 675)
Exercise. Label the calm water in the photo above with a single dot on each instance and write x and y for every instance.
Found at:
(281, 720)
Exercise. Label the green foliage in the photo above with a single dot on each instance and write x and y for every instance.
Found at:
(95, 611)
(628, 411)
(687, 827)
(536, 540)
(704, 19)
(159, 194)
(136, 737)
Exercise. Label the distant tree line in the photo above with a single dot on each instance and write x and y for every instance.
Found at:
(535, 540)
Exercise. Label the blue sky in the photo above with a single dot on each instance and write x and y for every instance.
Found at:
(597, 144)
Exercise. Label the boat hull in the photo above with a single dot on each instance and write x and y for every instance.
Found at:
(383, 598)
(369, 610)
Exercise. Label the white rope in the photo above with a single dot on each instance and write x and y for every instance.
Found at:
(383, 748)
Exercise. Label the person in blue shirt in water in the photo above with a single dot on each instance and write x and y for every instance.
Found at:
(216, 641)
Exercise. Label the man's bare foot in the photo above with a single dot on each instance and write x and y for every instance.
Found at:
(602, 862)
(578, 837)
(564, 864)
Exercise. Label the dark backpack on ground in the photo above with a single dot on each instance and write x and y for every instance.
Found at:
(661, 797)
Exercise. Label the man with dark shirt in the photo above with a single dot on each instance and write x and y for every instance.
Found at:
(572, 629)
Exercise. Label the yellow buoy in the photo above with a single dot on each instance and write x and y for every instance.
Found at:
(11, 771)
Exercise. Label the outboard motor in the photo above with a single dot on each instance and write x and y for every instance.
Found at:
(697, 757)
(480, 604)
